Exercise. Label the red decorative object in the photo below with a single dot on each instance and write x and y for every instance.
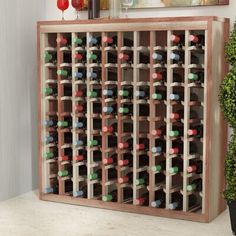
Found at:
(78, 5)
(62, 5)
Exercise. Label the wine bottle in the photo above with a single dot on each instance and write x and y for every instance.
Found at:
(179, 114)
(126, 145)
(94, 41)
(94, 142)
(127, 161)
(96, 175)
(94, 94)
(111, 109)
(93, 9)
(62, 72)
(79, 93)
(161, 131)
(197, 77)
(79, 75)
(159, 76)
(50, 123)
(79, 41)
(110, 129)
(176, 131)
(177, 96)
(159, 95)
(95, 57)
(177, 201)
(195, 185)
(178, 40)
(63, 158)
(82, 192)
(143, 200)
(159, 57)
(93, 75)
(126, 93)
(197, 40)
(79, 158)
(126, 110)
(159, 148)
(143, 179)
(79, 143)
(80, 124)
(79, 56)
(111, 197)
(110, 160)
(195, 167)
(196, 131)
(126, 57)
(110, 41)
(109, 92)
(66, 123)
(50, 154)
(79, 108)
(177, 58)
(52, 138)
(63, 173)
(50, 57)
(62, 41)
(160, 167)
(177, 148)
(143, 145)
(160, 200)
(177, 166)
(127, 179)
(143, 93)
(50, 91)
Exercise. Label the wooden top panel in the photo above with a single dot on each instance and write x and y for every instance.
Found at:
(134, 24)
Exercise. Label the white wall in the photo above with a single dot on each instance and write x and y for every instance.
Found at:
(18, 96)
(52, 13)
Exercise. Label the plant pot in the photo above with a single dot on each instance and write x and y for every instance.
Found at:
(232, 212)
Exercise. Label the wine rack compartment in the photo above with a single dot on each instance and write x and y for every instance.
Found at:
(129, 115)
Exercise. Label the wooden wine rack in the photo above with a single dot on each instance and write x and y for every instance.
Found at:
(147, 36)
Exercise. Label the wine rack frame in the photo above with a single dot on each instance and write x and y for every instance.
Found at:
(215, 128)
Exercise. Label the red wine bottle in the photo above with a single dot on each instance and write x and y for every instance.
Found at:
(159, 76)
(128, 178)
(143, 200)
(161, 131)
(93, 9)
(178, 40)
(110, 160)
(197, 40)
(196, 131)
(195, 167)
(127, 161)
(128, 144)
(110, 128)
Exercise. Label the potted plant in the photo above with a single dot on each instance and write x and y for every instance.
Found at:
(227, 99)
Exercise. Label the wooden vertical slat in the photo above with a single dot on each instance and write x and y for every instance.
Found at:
(60, 118)
(168, 124)
(186, 119)
(120, 190)
(152, 111)
(75, 167)
(45, 173)
(104, 122)
(89, 128)
(135, 117)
